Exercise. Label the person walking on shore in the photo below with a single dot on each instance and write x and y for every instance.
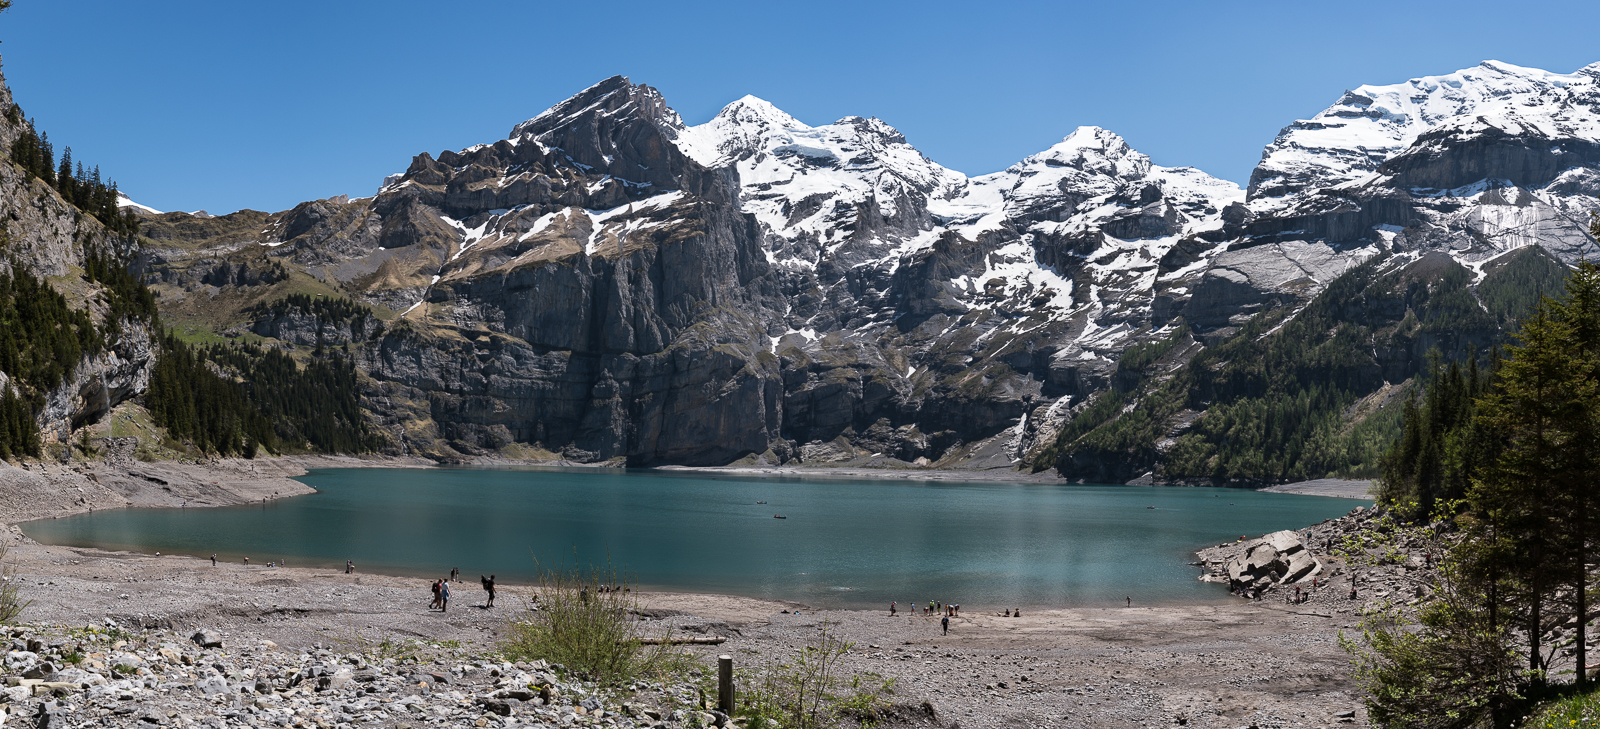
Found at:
(213, 559)
(944, 622)
(488, 586)
(891, 609)
(435, 604)
(444, 597)
(349, 567)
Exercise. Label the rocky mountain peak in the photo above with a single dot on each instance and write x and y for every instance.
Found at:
(1371, 124)
(614, 97)
(1092, 150)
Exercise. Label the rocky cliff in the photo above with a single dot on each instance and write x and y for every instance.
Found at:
(48, 237)
(609, 283)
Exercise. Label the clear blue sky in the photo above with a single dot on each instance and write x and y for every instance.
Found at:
(226, 105)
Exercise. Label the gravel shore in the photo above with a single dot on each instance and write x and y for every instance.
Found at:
(1260, 663)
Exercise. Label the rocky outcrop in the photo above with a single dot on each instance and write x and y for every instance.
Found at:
(1276, 559)
(51, 239)
(100, 382)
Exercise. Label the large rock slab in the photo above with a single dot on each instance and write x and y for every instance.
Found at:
(1279, 558)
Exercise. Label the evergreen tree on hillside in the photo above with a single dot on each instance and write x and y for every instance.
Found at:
(1527, 526)
(33, 152)
(1442, 444)
(1537, 408)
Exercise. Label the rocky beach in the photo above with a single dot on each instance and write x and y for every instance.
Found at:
(314, 647)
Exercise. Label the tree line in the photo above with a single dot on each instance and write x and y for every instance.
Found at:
(316, 406)
(81, 186)
(1506, 463)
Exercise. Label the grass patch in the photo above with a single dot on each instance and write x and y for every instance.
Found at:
(1573, 712)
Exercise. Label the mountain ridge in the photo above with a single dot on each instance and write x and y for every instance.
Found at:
(876, 304)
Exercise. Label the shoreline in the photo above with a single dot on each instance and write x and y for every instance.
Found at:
(237, 482)
(1217, 666)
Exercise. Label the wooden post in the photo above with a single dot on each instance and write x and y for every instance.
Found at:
(725, 684)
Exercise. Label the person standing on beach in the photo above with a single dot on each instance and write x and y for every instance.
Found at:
(488, 586)
(349, 567)
(444, 597)
(455, 574)
(213, 560)
(891, 609)
(435, 604)
(1130, 600)
(944, 622)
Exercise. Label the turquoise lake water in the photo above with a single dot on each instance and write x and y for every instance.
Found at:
(845, 543)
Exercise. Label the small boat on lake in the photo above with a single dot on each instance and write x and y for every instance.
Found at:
(779, 516)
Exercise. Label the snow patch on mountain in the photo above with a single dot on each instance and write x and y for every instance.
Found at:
(124, 202)
(1371, 124)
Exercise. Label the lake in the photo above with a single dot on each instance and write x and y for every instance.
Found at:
(843, 543)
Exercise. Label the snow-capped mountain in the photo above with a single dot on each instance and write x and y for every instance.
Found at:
(1372, 124)
(1474, 163)
(609, 282)
(854, 201)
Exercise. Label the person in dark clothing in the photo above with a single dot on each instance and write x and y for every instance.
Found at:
(455, 574)
(435, 604)
(488, 586)
(945, 622)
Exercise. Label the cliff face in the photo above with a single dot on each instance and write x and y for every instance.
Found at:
(49, 238)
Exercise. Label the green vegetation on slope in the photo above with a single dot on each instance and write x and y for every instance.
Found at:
(192, 402)
(1296, 395)
(41, 336)
(1514, 595)
(317, 406)
(330, 309)
(1441, 443)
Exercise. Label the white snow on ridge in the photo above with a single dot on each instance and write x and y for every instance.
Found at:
(1370, 124)
(784, 164)
(809, 183)
(600, 219)
(123, 201)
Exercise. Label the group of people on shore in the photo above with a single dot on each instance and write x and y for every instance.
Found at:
(934, 607)
(441, 591)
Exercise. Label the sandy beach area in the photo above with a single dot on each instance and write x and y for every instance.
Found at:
(1249, 664)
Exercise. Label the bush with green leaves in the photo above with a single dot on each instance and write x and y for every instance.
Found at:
(11, 602)
(1453, 667)
(810, 690)
(584, 620)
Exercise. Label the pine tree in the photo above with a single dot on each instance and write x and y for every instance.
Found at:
(64, 181)
(1581, 497)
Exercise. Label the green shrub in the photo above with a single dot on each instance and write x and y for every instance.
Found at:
(809, 691)
(11, 602)
(592, 633)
